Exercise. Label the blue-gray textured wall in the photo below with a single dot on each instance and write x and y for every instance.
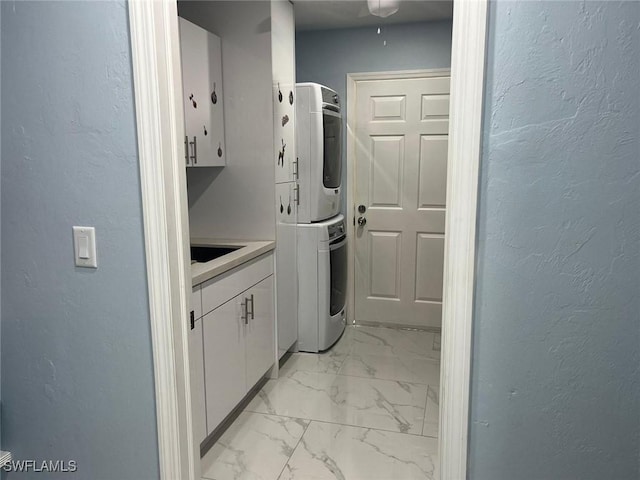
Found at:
(327, 56)
(77, 373)
(0, 237)
(555, 375)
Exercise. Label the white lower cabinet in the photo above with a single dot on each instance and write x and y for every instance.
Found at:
(196, 367)
(259, 332)
(238, 338)
(224, 353)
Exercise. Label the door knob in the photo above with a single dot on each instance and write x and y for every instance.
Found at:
(362, 221)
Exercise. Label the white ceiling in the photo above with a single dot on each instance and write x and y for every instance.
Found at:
(330, 14)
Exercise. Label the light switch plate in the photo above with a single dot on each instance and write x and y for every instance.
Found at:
(84, 246)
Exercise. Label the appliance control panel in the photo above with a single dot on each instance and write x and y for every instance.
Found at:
(330, 97)
(336, 230)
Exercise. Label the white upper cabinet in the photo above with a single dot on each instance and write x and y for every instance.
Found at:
(203, 96)
(286, 169)
(284, 74)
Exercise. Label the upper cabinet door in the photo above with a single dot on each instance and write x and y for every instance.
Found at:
(284, 80)
(202, 96)
(216, 156)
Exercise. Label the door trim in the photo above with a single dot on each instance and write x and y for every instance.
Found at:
(465, 135)
(159, 119)
(468, 55)
(160, 131)
(352, 86)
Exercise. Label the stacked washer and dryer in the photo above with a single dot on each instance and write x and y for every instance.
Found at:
(322, 238)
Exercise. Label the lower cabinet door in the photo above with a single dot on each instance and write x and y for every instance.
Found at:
(260, 341)
(286, 279)
(224, 360)
(196, 367)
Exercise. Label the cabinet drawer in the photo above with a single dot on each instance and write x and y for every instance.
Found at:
(218, 290)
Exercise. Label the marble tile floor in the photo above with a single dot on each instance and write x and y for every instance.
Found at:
(366, 409)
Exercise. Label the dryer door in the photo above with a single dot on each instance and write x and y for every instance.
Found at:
(332, 151)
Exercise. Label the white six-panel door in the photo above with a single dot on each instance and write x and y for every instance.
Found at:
(401, 131)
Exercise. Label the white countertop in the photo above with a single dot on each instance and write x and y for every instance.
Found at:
(201, 272)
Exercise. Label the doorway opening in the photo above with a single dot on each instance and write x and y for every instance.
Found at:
(156, 67)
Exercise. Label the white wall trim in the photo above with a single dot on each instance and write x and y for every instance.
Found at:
(160, 127)
(399, 74)
(349, 210)
(465, 132)
(352, 85)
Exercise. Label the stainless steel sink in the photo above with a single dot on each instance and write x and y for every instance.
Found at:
(206, 254)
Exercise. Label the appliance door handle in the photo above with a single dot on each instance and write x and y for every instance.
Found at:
(339, 242)
(332, 113)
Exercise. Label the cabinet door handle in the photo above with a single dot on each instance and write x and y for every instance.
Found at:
(244, 311)
(186, 149)
(253, 308)
(194, 157)
(296, 196)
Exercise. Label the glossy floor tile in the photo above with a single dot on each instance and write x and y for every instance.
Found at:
(365, 402)
(432, 412)
(329, 452)
(365, 409)
(393, 342)
(436, 342)
(311, 362)
(405, 368)
(255, 447)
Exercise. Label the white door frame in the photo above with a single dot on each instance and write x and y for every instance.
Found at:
(157, 79)
(160, 125)
(352, 88)
(468, 52)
